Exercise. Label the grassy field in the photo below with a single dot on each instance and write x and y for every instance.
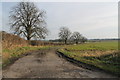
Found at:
(103, 55)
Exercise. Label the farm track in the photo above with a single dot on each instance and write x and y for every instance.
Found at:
(47, 64)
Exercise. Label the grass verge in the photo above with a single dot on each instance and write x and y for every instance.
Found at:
(109, 63)
(11, 55)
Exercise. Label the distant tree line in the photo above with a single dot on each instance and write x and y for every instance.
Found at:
(106, 39)
(66, 35)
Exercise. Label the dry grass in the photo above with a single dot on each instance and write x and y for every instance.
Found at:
(14, 47)
(11, 41)
(97, 53)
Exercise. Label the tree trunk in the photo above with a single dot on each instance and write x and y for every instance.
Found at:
(65, 41)
(76, 42)
(28, 38)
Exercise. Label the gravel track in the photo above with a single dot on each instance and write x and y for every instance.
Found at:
(47, 64)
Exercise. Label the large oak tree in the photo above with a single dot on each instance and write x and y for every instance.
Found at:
(28, 21)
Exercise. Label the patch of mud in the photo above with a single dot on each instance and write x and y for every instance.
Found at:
(39, 60)
(41, 54)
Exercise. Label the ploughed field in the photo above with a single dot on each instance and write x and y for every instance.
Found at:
(103, 55)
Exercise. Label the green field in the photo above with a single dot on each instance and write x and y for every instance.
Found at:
(110, 45)
(103, 55)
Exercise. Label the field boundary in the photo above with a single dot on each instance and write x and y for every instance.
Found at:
(13, 59)
(81, 64)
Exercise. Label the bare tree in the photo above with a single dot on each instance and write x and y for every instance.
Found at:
(76, 36)
(64, 34)
(28, 21)
(83, 39)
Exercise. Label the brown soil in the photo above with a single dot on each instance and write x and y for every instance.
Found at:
(47, 64)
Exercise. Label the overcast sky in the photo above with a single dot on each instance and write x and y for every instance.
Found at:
(91, 19)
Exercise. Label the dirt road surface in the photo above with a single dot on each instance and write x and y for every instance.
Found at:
(47, 64)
